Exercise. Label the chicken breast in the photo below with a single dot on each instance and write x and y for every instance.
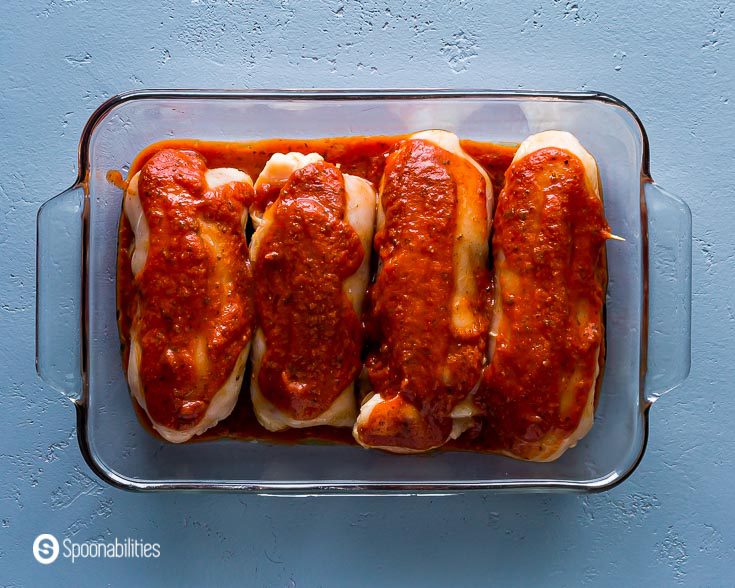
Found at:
(311, 257)
(547, 332)
(428, 317)
(193, 320)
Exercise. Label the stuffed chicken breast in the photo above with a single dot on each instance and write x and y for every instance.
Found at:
(550, 275)
(311, 258)
(193, 313)
(428, 320)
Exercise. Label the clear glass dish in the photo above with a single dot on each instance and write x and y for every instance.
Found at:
(78, 351)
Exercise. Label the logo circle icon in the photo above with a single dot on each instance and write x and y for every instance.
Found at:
(46, 548)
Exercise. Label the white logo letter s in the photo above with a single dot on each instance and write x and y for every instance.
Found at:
(45, 548)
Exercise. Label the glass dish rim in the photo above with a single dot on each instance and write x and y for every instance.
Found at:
(317, 488)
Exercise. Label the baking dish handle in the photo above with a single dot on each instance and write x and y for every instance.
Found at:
(59, 291)
(669, 291)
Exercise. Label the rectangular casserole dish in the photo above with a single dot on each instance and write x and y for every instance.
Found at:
(78, 351)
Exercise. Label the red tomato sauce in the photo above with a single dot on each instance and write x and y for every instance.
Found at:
(313, 334)
(550, 227)
(180, 296)
(361, 156)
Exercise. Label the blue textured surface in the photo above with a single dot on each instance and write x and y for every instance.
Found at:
(672, 521)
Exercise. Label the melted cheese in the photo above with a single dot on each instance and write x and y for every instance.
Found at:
(471, 237)
(276, 172)
(139, 224)
(360, 214)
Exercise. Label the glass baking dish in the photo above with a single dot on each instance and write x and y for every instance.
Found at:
(78, 351)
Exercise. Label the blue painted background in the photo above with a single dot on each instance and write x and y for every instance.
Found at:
(673, 62)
